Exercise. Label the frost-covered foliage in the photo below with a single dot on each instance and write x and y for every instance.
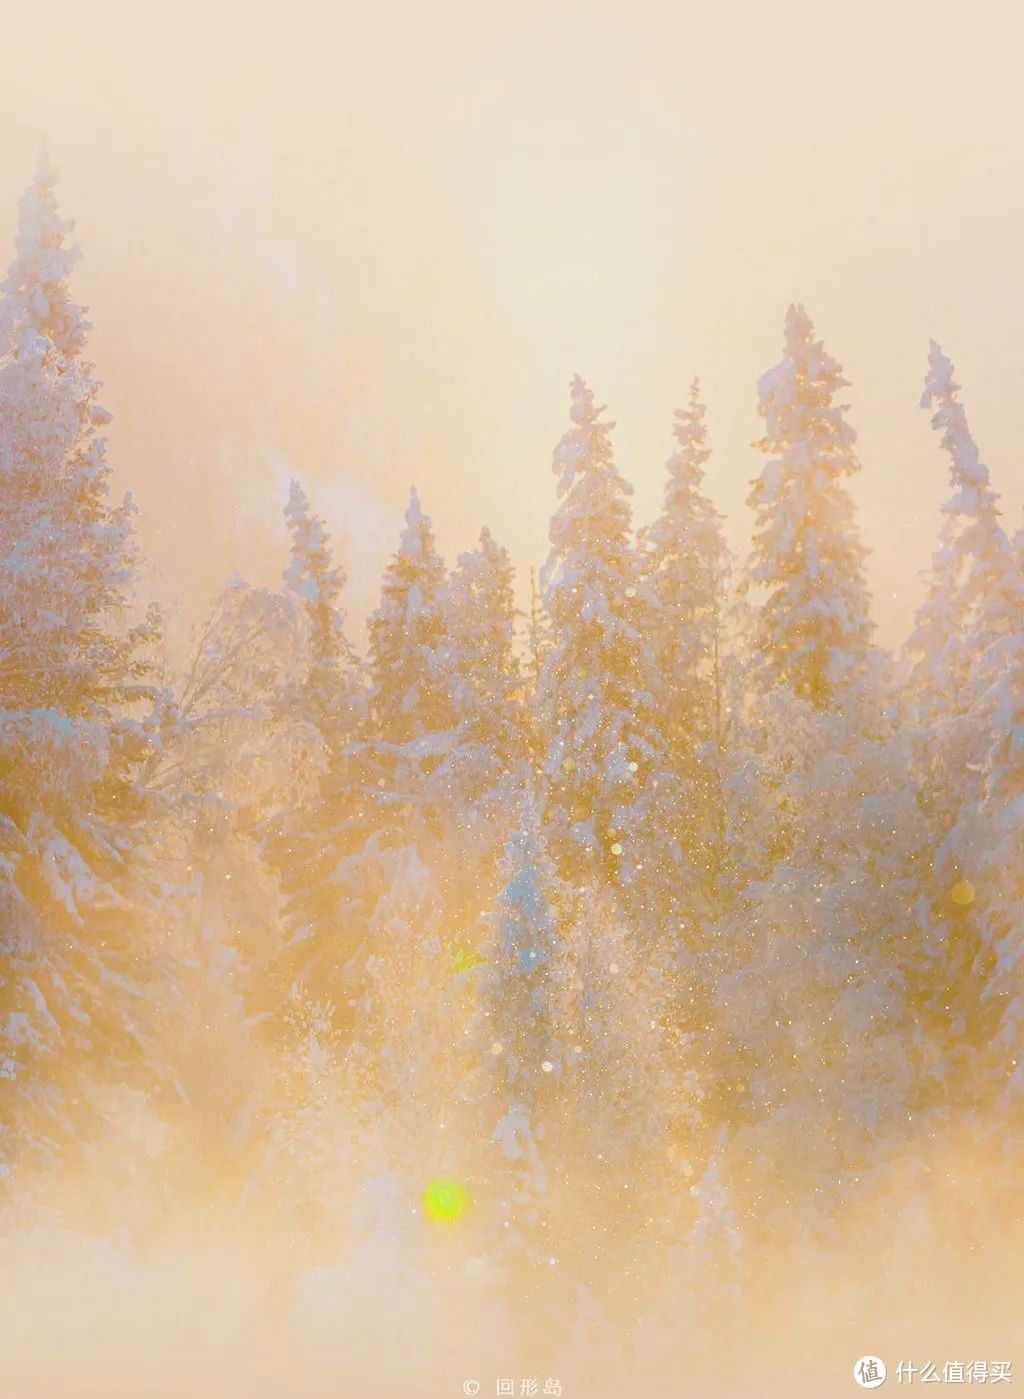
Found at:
(969, 607)
(822, 943)
(687, 567)
(569, 968)
(813, 625)
(329, 690)
(36, 292)
(520, 1040)
(602, 755)
(980, 863)
(411, 691)
(959, 661)
(689, 570)
(485, 666)
(74, 696)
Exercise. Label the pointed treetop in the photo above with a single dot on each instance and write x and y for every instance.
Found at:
(313, 576)
(298, 503)
(586, 449)
(941, 393)
(807, 557)
(805, 373)
(489, 559)
(411, 694)
(799, 328)
(582, 409)
(686, 566)
(691, 434)
(417, 540)
(688, 528)
(939, 379)
(481, 624)
(970, 603)
(36, 296)
(311, 572)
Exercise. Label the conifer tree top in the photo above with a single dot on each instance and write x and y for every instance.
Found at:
(417, 540)
(967, 470)
(311, 570)
(686, 511)
(814, 623)
(970, 601)
(313, 576)
(37, 300)
(587, 447)
(690, 433)
(407, 633)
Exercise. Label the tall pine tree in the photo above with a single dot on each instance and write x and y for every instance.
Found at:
(688, 570)
(313, 576)
(968, 606)
(813, 626)
(817, 937)
(595, 696)
(74, 682)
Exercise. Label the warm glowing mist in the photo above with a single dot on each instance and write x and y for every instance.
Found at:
(371, 247)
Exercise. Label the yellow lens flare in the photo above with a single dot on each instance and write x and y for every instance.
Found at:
(962, 893)
(463, 959)
(445, 1201)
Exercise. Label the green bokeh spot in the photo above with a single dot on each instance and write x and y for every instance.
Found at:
(445, 1201)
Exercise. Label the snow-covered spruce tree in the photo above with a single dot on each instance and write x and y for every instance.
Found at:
(813, 994)
(374, 806)
(688, 571)
(822, 1061)
(968, 607)
(807, 645)
(76, 551)
(411, 692)
(74, 688)
(517, 1089)
(485, 769)
(485, 668)
(968, 613)
(813, 625)
(329, 693)
(595, 695)
(1002, 861)
(978, 866)
(36, 292)
(413, 732)
(308, 840)
(633, 1096)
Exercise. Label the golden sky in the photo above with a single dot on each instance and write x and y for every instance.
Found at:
(369, 245)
